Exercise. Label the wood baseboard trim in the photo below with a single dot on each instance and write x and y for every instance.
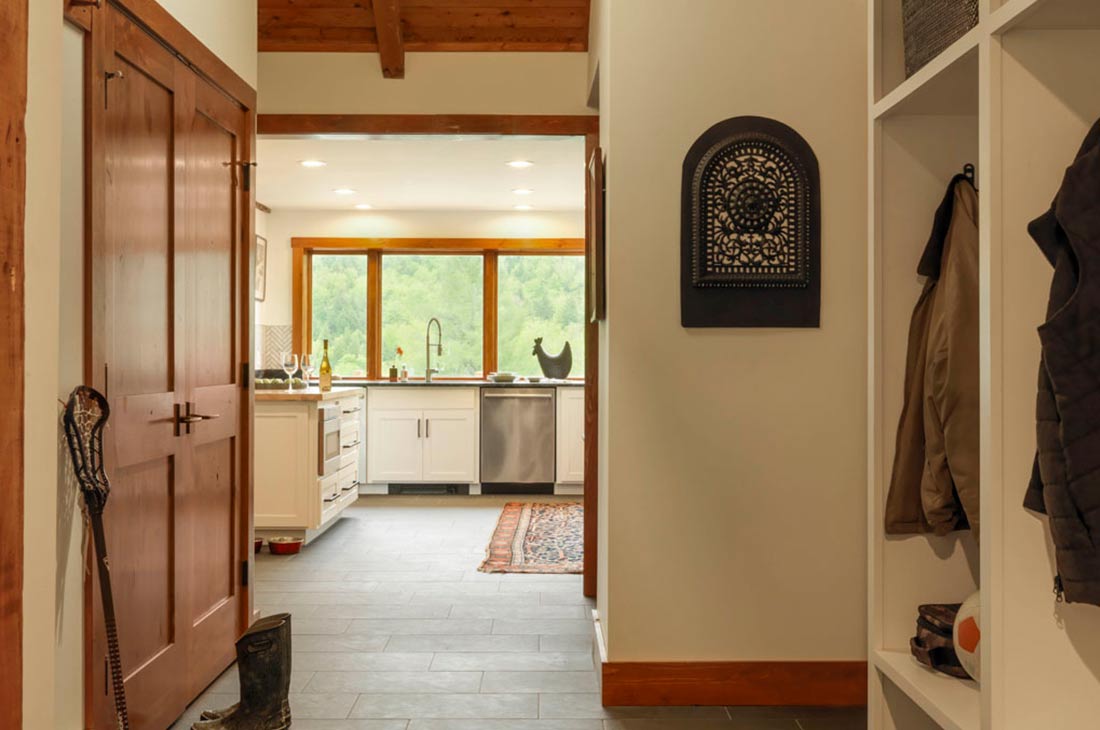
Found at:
(805, 684)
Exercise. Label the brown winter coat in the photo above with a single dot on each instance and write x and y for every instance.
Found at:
(935, 480)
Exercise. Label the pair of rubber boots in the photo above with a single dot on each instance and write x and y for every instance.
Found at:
(263, 666)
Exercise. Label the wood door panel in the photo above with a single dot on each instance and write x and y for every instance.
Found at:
(211, 189)
(142, 427)
(140, 534)
(140, 165)
(211, 525)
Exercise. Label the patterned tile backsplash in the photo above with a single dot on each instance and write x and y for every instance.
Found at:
(275, 339)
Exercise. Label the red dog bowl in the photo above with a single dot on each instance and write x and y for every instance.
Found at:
(284, 545)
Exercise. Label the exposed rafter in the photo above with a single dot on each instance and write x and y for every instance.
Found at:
(362, 26)
(391, 44)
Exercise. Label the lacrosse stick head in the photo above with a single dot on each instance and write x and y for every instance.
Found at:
(86, 414)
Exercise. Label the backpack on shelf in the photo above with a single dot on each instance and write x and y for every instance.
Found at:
(934, 644)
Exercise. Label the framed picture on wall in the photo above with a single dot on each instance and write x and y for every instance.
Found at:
(596, 255)
(261, 268)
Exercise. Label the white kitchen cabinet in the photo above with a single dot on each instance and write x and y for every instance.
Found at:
(395, 451)
(291, 498)
(450, 446)
(422, 435)
(570, 438)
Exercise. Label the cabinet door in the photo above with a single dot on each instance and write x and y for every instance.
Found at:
(450, 446)
(571, 435)
(395, 446)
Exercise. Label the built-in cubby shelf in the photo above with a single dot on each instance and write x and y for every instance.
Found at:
(1015, 96)
(951, 703)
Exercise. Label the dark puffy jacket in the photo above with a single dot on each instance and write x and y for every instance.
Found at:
(1065, 483)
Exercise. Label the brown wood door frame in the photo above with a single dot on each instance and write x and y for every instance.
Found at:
(586, 126)
(151, 17)
(13, 179)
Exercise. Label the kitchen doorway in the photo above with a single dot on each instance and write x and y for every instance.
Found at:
(328, 257)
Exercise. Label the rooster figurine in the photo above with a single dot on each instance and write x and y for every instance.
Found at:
(555, 367)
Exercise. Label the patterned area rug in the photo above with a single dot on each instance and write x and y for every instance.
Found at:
(537, 538)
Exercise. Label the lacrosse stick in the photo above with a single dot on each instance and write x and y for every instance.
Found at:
(86, 414)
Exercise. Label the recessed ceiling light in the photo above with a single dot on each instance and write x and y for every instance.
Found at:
(344, 191)
(524, 207)
(363, 206)
(521, 164)
(313, 163)
(523, 191)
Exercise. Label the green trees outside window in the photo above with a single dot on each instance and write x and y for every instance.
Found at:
(340, 312)
(539, 296)
(416, 288)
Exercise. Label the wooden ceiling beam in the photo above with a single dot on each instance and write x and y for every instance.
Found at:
(391, 46)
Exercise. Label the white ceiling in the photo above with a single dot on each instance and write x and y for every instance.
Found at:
(421, 172)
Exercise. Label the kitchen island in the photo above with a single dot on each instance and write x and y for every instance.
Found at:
(309, 458)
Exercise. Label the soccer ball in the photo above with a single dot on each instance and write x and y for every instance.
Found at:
(968, 636)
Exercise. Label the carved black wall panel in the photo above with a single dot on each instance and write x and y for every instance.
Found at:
(751, 228)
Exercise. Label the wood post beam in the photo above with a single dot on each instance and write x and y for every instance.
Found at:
(391, 44)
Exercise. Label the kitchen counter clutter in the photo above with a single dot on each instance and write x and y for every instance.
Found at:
(315, 451)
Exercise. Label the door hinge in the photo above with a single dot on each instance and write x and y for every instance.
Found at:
(246, 175)
(245, 374)
(244, 573)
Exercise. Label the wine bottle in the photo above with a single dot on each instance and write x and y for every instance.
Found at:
(326, 371)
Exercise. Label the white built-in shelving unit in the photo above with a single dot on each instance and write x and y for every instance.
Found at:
(1015, 97)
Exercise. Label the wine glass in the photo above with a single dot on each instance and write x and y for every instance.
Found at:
(290, 366)
(307, 367)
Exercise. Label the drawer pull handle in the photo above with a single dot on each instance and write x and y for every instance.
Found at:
(352, 445)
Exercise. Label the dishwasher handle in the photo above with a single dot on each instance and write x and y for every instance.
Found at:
(540, 396)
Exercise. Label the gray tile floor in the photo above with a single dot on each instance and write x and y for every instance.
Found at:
(394, 629)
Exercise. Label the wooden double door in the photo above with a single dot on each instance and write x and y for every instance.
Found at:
(170, 213)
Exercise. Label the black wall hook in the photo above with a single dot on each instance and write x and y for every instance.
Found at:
(970, 174)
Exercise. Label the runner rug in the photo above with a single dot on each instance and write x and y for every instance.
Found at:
(537, 538)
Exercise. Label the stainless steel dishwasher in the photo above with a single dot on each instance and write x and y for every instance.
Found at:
(518, 433)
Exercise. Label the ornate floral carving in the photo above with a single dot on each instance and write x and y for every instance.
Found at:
(751, 215)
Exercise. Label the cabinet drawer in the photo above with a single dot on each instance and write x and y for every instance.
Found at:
(349, 457)
(347, 478)
(330, 487)
(349, 435)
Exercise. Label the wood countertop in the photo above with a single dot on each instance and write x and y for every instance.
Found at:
(306, 394)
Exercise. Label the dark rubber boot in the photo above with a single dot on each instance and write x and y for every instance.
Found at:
(280, 619)
(263, 664)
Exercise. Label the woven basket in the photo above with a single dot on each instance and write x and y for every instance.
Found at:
(933, 25)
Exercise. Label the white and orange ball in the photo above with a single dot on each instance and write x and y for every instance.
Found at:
(968, 636)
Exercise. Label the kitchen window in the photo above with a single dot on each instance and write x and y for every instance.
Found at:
(416, 288)
(369, 296)
(338, 288)
(539, 296)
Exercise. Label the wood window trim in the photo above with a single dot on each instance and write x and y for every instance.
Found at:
(374, 249)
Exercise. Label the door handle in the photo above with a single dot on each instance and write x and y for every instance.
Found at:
(427, 428)
(187, 417)
(418, 428)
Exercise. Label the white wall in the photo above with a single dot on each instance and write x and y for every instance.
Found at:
(42, 272)
(735, 459)
(226, 27)
(434, 83)
(283, 225)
